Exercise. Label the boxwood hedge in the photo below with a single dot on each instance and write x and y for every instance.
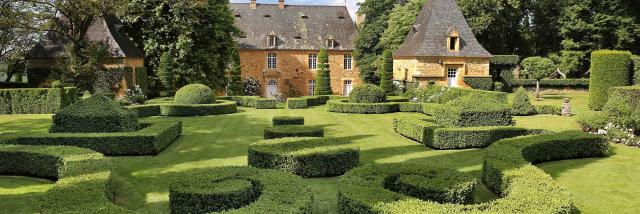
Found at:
(416, 129)
(266, 103)
(623, 106)
(239, 190)
(293, 131)
(287, 120)
(410, 107)
(36, 100)
(508, 170)
(548, 109)
(367, 93)
(195, 94)
(608, 69)
(480, 83)
(178, 110)
(472, 137)
(145, 110)
(307, 157)
(150, 140)
(344, 106)
(297, 103)
(94, 114)
(83, 177)
(473, 110)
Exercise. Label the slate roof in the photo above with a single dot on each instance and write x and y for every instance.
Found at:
(102, 30)
(292, 30)
(431, 29)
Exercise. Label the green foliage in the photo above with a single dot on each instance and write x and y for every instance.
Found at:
(472, 137)
(150, 140)
(36, 100)
(480, 83)
(293, 131)
(323, 75)
(416, 129)
(521, 105)
(307, 157)
(180, 110)
(235, 79)
(623, 106)
(246, 101)
(145, 110)
(370, 188)
(552, 83)
(166, 73)
(592, 121)
(96, 114)
(505, 60)
(200, 37)
(548, 109)
(266, 103)
(386, 72)
(474, 110)
(251, 87)
(569, 62)
(141, 79)
(344, 106)
(608, 69)
(195, 94)
(287, 120)
(248, 189)
(367, 42)
(635, 60)
(296, 103)
(409, 107)
(442, 94)
(367, 93)
(401, 19)
(537, 67)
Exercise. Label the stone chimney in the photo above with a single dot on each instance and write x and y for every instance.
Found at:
(252, 4)
(281, 4)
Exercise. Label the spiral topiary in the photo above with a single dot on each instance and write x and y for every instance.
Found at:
(367, 93)
(195, 94)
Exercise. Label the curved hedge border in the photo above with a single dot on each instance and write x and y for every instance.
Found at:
(287, 120)
(344, 106)
(240, 190)
(307, 157)
(83, 177)
(293, 131)
(150, 140)
(177, 110)
(508, 170)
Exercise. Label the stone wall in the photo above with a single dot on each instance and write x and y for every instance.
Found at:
(424, 69)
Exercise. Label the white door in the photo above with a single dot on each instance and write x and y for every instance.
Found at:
(347, 87)
(452, 77)
(272, 89)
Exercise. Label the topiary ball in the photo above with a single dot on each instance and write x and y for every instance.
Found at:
(195, 94)
(367, 93)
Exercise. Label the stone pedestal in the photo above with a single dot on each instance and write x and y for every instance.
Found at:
(566, 107)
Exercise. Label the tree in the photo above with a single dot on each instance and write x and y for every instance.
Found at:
(521, 105)
(166, 74)
(386, 72)
(400, 21)
(235, 79)
(538, 68)
(323, 75)
(200, 34)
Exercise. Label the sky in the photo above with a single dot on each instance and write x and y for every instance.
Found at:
(351, 4)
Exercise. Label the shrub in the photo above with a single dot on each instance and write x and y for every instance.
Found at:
(507, 170)
(509, 60)
(195, 94)
(297, 103)
(416, 129)
(244, 189)
(307, 157)
(552, 83)
(538, 68)
(160, 100)
(36, 100)
(409, 107)
(397, 99)
(177, 110)
(623, 106)
(317, 100)
(145, 110)
(635, 60)
(95, 114)
(430, 108)
(287, 120)
(266, 103)
(166, 73)
(323, 75)
(521, 105)
(473, 111)
(367, 93)
(343, 106)
(369, 188)
(592, 121)
(608, 69)
(386, 72)
(472, 137)
(442, 94)
(246, 101)
(548, 109)
(293, 131)
(251, 87)
(480, 83)
(150, 140)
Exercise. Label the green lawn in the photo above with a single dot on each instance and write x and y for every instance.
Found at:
(603, 185)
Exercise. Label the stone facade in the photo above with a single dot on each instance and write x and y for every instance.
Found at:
(292, 70)
(421, 70)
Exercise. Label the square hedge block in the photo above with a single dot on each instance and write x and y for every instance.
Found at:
(97, 114)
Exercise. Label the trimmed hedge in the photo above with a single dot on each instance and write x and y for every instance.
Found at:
(287, 120)
(473, 137)
(371, 188)
(397, 99)
(548, 109)
(246, 101)
(508, 170)
(293, 131)
(240, 190)
(150, 140)
(608, 69)
(623, 107)
(442, 94)
(410, 107)
(297, 103)
(195, 94)
(177, 110)
(551, 83)
(307, 157)
(635, 60)
(367, 93)
(83, 177)
(419, 130)
(480, 83)
(521, 105)
(36, 100)
(344, 106)
(509, 60)
(96, 114)
(145, 110)
(430, 108)
(473, 111)
(266, 103)
(160, 100)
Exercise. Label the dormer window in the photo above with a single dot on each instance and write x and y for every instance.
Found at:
(304, 16)
(331, 42)
(273, 41)
(453, 41)
(267, 15)
(237, 15)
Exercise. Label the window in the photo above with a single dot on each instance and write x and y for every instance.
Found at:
(312, 87)
(331, 43)
(347, 62)
(271, 60)
(273, 41)
(453, 43)
(313, 61)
